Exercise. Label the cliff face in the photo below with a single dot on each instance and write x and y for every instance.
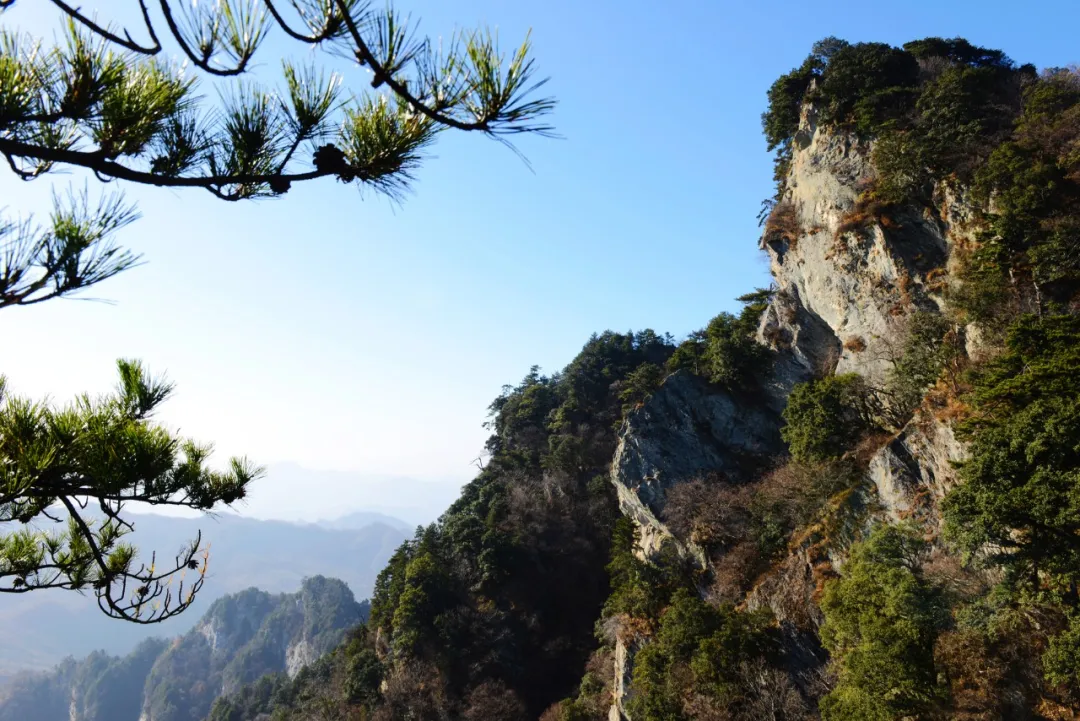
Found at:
(244, 637)
(847, 280)
(684, 430)
(241, 638)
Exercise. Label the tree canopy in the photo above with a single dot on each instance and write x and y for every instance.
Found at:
(104, 101)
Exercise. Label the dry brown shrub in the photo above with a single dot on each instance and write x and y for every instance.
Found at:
(1054, 710)
(709, 512)
(945, 402)
(787, 307)
(937, 280)
(948, 572)
(906, 283)
(868, 209)
(776, 335)
(1000, 676)
(783, 223)
(493, 701)
(416, 690)
(855, 344)
(734, 573)
(770, 694)
(826, 362)
(702, 707)
(865, 449)
(556, 712)
(723, 518)
(975, 676)
(854, 220)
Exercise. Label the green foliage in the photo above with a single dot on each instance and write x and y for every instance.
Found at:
(786, 95)
(937, 107)
(866, 85)
(1061, 661)
(463, 595)
(76, 252)
(929, 346)
(825, 418)
(188, 677)
(97, 688)
(640, 384)
(638, 588)
(1034, 182)
(781, 121)
(698, 647)
(421, 600)
(250, 700)
(178, 679)
(881, 620)
(732, 357)
(1020, 491)
(552, 422)
(109, 449)
(725, 352)
(96, 100)
(364, 671)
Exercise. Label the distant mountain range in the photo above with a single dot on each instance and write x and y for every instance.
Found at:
(42, 628)
(241, 638)
(326, 494)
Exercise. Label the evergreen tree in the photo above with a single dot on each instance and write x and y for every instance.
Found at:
(107, 102)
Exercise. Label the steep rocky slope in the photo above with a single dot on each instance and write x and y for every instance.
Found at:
(833, 285)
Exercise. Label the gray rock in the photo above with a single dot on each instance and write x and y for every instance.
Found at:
(685, 430)
(844, 291)
(857, 285)
(915, 470)
(625, 650)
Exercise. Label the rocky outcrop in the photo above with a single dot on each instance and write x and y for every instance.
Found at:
(847, 275)
(843, 265)
(240, 638)
(625, 650)
(683, 431)
(804, 344)
(914, 471)
(299, 654)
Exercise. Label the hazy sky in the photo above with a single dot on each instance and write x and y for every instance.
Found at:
(341, 333)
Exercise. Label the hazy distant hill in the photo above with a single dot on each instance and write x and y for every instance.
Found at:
(330, 493)
(241, 637)
(359, 519)
(42, 628)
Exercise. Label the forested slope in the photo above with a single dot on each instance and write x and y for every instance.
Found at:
(241, 638)
(857, 499)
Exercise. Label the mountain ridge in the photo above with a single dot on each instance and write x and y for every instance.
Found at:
(846, 502)
(271, 555)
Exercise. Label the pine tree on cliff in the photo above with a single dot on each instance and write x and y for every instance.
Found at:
(104, 100)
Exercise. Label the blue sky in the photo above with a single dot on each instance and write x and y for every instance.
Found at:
(342, 333)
